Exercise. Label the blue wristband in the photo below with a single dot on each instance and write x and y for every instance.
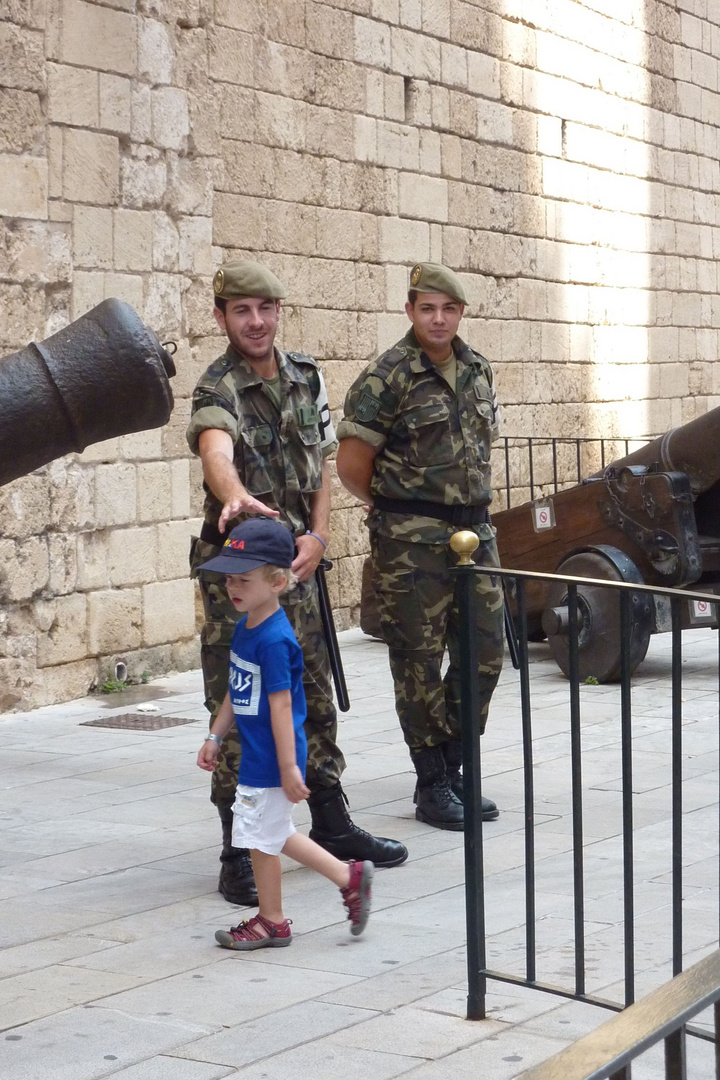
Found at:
(309, 532)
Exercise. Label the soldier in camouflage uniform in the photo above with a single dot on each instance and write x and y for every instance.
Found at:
(261, 425)
(415, 446)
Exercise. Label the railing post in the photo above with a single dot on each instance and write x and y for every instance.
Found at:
(676, 1056)
(577, 795)
(528, 786)
(627, 795)
(677, 825)
(464, 543)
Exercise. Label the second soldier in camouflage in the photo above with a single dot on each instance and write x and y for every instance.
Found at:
(415, 445)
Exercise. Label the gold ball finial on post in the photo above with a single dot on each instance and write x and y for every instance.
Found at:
(463, 544)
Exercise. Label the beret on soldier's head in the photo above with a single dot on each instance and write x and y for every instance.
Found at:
(245, 278)
(433, 277)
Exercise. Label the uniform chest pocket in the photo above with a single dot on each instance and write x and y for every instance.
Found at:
(259, 436)
(309, 434)
(256, 445)
(429, 439)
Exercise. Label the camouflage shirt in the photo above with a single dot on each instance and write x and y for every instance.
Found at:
(278, 451)
(432, 441)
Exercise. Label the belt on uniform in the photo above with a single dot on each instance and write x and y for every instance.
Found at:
(455, 515)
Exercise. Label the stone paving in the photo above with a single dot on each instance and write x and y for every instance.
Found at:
(108, 902)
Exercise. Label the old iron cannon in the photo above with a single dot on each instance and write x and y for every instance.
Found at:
(106, 374)
(651, 517)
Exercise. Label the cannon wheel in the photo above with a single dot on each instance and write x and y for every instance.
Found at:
(599, 647)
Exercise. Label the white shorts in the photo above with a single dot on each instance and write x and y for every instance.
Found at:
(262, 819)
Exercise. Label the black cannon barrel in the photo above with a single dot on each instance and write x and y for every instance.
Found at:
(106, 374)
(692, 448)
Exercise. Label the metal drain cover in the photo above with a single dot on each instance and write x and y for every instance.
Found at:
(139, 722)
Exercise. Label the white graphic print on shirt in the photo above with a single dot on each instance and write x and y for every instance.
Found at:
(245, 684)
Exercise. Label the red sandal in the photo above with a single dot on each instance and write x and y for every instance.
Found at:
(255, 933)
(357, 895)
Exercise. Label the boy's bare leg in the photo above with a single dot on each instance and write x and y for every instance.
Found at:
(268, 879)
(305, 851)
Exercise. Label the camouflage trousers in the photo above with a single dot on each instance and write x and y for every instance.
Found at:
(325, 763)
(419, 620)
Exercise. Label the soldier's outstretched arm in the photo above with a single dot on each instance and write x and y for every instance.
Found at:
(355, 459)
(216, 454)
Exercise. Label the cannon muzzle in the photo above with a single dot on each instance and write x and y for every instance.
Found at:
(106, 374)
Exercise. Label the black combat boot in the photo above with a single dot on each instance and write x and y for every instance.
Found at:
(334, 830)
(236, 883)
(452, 751)
(436, 802)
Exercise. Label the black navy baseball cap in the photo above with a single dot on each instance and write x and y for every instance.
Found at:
(255, 542)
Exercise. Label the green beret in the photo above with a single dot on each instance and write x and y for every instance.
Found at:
(432, 277)
(245, 278)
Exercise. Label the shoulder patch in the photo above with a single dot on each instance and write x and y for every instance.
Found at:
(203, 401)
(367, 407)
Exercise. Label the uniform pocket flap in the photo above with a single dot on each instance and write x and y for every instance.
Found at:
(431, 414)
(258, 436)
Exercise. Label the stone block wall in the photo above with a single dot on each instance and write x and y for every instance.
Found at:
(563, 156)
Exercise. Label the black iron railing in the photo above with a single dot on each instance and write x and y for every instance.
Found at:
(528, 467)
(478, 970)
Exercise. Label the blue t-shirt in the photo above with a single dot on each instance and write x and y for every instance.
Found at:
(263, 660)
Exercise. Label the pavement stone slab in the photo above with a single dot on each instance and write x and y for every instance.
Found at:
(49, 990)
(224, 993)
(324, 1059)
(268, 1035)
(172, 1068)
(414, 1032)
(503, 1055)
(87, 1043)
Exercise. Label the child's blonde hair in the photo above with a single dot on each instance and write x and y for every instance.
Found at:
(271, 573)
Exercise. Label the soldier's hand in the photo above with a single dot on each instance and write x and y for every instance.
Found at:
(310, 552)
(243, 504)
(293, 784)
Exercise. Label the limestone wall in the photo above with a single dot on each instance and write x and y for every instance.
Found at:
(562, 154)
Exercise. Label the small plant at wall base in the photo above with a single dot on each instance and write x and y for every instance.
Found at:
(112, 685)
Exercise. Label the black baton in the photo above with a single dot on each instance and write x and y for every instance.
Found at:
(330, 635)
(510, 633)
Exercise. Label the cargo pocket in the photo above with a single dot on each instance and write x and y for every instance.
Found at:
(401, 615)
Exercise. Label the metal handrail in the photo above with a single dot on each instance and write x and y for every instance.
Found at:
(606, 1053)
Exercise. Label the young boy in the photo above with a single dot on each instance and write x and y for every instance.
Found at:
(266, 699)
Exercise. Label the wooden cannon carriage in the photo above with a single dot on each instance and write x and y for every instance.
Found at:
(651, 517)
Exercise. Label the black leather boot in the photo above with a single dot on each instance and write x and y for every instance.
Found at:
(237, 883)
(436, 802)
(334, 830)
(452, 751)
